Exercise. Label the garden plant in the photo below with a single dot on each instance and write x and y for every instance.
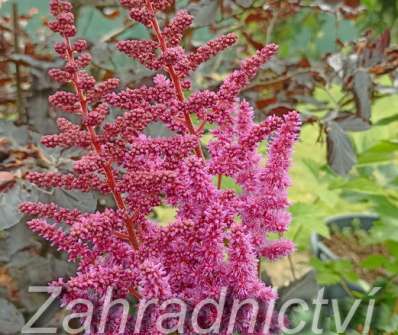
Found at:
(218, 234)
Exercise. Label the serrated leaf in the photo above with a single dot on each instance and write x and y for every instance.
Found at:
(312, 217)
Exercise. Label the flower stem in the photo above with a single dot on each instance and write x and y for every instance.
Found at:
(219, 181)
(22, 116)
(173, 75)
(107, 167)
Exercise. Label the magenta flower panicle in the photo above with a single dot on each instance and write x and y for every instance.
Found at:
(219, 236)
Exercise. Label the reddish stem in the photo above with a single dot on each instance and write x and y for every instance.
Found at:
(201, 127)
(173, 75)
(219, 181)
(122, 236)
(107, 167)
(135, 294)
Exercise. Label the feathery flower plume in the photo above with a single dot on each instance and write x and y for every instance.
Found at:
(219, 236)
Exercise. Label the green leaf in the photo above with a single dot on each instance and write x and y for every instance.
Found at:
(387, 120)
(328, 278)
(385, 206)
(392, 267)
(392, 247)
(360, 185)
(308, 219)
(324, 272)
(332, 272)
(386, 231)
(381, 152)
(374, 262)
(385, 319)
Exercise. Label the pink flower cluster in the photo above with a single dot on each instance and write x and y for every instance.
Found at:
(219, 235)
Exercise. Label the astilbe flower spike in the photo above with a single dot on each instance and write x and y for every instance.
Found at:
(219, 236)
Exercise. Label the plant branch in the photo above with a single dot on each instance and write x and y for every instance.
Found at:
(107, 167)
(219, 181)
(19, 97)
(173, 75)
(271, 26)
(292, 268)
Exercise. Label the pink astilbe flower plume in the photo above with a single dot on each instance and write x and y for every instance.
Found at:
(219, 236)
